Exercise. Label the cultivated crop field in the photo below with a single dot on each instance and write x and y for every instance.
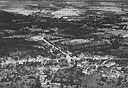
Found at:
(63, 44)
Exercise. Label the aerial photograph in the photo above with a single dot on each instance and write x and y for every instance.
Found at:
(63, 43)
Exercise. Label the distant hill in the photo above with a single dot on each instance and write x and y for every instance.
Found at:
(8, 17)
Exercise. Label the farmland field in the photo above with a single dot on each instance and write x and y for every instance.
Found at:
(63, 44)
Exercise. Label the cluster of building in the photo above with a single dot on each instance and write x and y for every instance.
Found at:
(55, 73)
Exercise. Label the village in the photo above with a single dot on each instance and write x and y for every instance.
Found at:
(64, 45)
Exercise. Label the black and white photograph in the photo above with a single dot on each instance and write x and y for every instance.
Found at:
(63, 43)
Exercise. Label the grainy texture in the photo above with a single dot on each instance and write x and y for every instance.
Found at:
(63, 44)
